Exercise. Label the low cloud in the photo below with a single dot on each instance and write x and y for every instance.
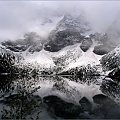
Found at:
(17, 18)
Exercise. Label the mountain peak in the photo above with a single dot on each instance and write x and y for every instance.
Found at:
(73, 22)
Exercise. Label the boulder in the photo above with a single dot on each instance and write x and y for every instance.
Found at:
(102, 49)
(86, 44)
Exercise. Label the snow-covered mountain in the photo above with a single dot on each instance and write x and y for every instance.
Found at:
(73, 22)
(30, 40)
(69, 57)
(66, 48)
(68, 31)
(75, 56)
(9, 60)
(112, 59)
(104, 45)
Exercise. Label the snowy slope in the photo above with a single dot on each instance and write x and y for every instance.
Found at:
(46, 59)
(84, 58)
(42, 58)
(112, 59)
(69, 57)
(87, 58)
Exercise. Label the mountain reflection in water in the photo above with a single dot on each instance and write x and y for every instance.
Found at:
(22, 97)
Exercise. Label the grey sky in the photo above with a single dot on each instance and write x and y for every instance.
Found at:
(17, 18)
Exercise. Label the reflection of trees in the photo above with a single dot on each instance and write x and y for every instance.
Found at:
(87, 74)
(8, 60)
(6, 84)
(19, 100)
(111, 88)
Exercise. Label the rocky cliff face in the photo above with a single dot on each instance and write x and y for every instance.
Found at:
(111, 60)
(67, 32)
(8, 61)
(31, 41)
(73, 22)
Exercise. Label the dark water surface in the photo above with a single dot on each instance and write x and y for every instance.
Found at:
(22, 97)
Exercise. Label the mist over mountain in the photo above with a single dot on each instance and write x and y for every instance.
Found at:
(47, 31)
(41, 17)
(114, 31)
(59, 60)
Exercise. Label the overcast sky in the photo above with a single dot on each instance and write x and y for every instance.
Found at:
(16, 18)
